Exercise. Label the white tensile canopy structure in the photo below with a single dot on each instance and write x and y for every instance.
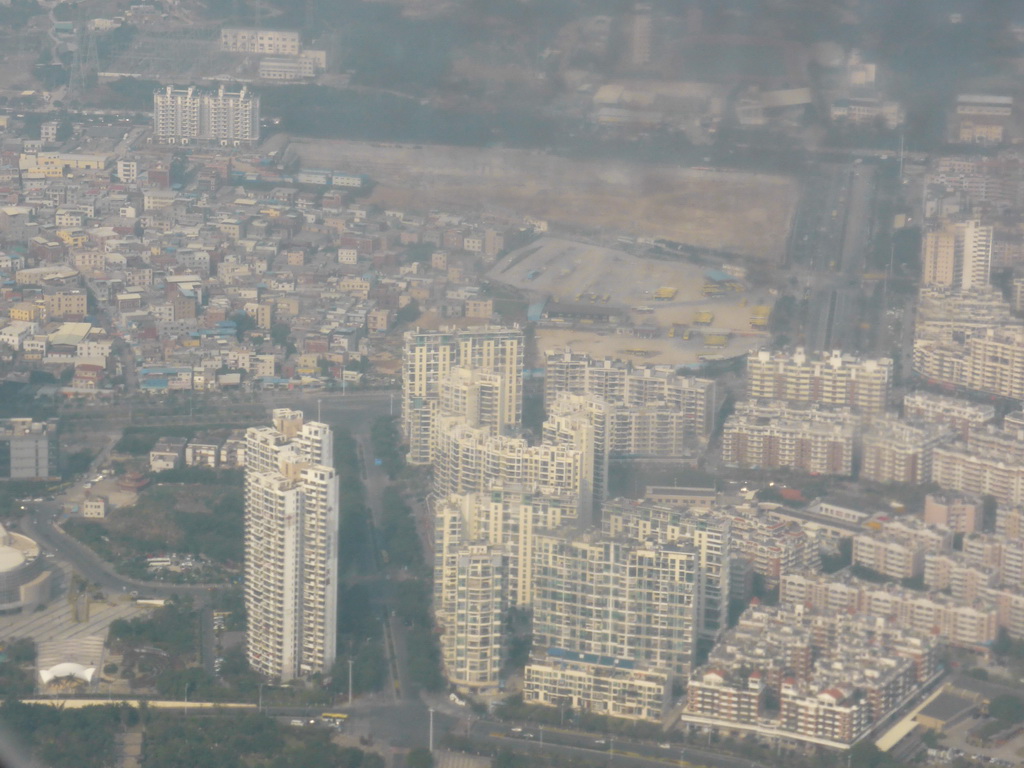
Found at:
(67, 669)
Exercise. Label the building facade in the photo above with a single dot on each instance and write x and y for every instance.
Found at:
(963, 415)
(269, 41)
(197, 115)
(829, 380)
(483, 566)
(291, 547)
(658, 411)
(958, 255)
(833, 676)
(897, 452)
(772, 436)
(29, 450)
(430, 356)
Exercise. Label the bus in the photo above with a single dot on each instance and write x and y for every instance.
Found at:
(336, 719)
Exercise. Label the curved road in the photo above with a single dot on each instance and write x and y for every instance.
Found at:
(41, 521)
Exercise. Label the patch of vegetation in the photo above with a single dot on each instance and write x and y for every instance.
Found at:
(172, 628)
(139, 441)
(242, 741)
(17, 13)
(84, 738)
(204, 521)
(16, 677)
(412, 600)
(353, 513)
(1007, 708)
(513, 708)
(424, 659)
(77, 463)
(410, 313)
(629, 478)
(232, 601)
(387, 445)
(234, 478)
(399, 535)
(868, 574)
(360, 638)
(324, 112)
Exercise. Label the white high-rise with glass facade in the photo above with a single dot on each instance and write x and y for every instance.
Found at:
(291, 547)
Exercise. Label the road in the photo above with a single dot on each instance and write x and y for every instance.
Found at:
(601, 749)
(832, 234)
(406, 724)
(39, 524)
(41, 521)
(351, 408)
(374, 482)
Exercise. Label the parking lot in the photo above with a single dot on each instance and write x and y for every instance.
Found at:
(956, 738)
(665, 294)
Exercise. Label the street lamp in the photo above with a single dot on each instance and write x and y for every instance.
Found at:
(259, 705)
(350, 682)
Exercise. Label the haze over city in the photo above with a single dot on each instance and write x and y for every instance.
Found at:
(507, 383)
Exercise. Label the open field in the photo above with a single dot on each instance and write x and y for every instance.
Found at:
(743, 213)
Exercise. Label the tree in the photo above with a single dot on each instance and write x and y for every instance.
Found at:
(420, 252)
(279, 333)
(243, 323)
(419, 758)
(1007, 708)
(409, 313)
(22, 650)
(865, 754)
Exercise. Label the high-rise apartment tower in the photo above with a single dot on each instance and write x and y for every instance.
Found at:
(291, 547)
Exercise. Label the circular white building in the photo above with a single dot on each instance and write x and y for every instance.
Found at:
(25, 581)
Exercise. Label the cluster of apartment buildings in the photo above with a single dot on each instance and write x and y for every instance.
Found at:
(620, 592)
(281, 53)
(808, 674)
(192, 115)
(966, 334)
(507, 510)
(104, 250)
(207, 451)
(612, 612)
(830, 415)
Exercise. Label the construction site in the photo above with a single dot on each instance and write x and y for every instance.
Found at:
(609, 302)
(747, 214)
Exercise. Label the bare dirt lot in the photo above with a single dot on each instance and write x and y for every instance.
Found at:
(662, 351)
(582, 273)
(742, 213)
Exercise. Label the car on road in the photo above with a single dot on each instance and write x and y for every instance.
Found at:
(665, 745)
(600, 741)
